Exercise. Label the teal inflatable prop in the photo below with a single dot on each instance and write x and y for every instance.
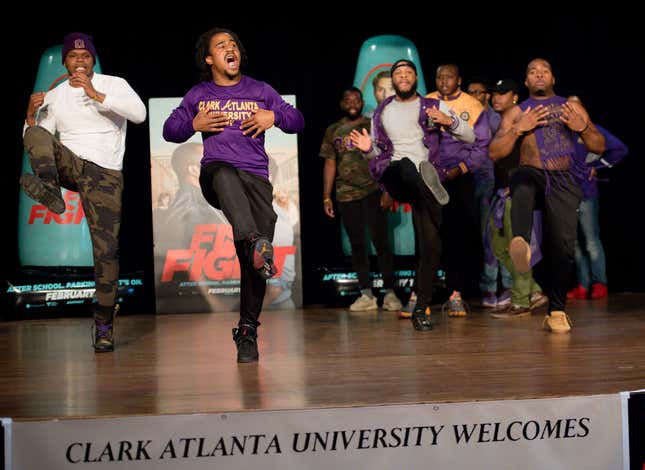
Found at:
(377, 54)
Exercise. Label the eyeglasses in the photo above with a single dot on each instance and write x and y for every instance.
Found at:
(477, 92)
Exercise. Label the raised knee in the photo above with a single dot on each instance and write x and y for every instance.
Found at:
(36, 135)
(34, 132)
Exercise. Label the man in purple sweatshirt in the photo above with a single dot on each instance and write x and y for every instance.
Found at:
(547, 178)
(590, 254)
(232, 112)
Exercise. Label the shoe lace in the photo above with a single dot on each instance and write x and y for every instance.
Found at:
(244, 334)
(103, 329)
(559, 319)
(420, 310)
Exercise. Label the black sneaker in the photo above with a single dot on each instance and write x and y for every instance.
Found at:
(261, 255)
(421, 317)
(39, 192)
(246, 340)
(103, 328)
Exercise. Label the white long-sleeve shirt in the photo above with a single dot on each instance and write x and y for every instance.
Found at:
(93, 131)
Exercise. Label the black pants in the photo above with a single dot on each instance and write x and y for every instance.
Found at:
(402, 180)
(462, 252)
(246, 201)
(559, 225)
(357, 216)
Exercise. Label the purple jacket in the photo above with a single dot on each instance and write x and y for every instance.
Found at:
(474, 155)
(431, 138)
(238, 101)
(486, 172)
(615, 151)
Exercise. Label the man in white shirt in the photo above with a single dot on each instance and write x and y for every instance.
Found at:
(90, 113)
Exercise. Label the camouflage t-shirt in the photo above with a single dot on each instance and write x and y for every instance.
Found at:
(353, 180)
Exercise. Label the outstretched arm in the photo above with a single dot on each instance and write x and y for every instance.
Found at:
(615, 151)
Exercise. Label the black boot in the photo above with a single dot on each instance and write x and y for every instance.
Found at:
(246, 340)
(104, 328)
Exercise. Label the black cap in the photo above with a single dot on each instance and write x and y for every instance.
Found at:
(402, 63)
(504, 86)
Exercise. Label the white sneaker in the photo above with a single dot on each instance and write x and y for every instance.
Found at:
(364, 303)
(391, 302)
(537, 299)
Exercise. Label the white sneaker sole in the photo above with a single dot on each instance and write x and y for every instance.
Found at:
(363, 309)
(431, 179)
(392, 307)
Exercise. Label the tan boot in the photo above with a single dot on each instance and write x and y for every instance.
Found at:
(520, 252)
(557, 322)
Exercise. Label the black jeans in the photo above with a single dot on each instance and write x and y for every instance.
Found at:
(246, 200)
(559, 225)
(357, 216)
(462, 252)
(402, 180)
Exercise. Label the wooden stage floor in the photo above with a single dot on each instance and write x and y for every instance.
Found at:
(315, 358)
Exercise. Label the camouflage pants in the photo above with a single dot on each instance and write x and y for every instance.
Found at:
(100, 192)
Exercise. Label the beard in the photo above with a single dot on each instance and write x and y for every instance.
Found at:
(404, 95)
(351, 115)
(540, 93)
(232, 75)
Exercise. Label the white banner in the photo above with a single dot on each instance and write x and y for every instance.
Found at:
(559, 433)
